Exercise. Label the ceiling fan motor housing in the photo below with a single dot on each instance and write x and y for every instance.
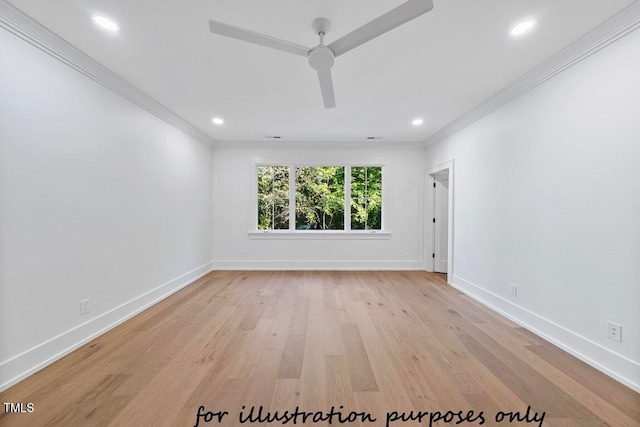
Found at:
(321, 57)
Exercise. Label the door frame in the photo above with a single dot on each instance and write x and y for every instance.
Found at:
(441, 224)
(429, 214)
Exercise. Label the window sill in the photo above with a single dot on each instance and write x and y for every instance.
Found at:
(320, 235)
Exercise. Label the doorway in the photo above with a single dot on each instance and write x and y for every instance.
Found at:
(438, 220)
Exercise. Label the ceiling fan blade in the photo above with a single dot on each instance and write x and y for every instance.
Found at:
(253, 37)
(326, 86)
(390, 20)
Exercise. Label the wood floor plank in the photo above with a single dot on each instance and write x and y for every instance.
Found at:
(282, 322)
(314, 376)
(286, 396)
(359, 367)
(298, 325)
(293, 357)
(252, 317)
(263, 381)
(365, 341)
(332, 341)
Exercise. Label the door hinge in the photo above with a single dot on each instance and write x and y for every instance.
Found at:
(434, 220)
(434, 185)
(433, 255)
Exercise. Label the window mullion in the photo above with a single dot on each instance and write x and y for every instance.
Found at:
(347, 198)
(366, 198)
(292, 197)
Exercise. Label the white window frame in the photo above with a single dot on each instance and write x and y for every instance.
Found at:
(292, 233)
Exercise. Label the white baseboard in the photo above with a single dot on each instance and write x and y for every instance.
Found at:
(317, 265)
(617, 366)
(27, 363)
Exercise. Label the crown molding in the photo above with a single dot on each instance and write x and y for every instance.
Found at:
(621, 24)
(24, 27)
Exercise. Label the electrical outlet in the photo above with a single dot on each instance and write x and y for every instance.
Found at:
(84, 306)
(514, 290)
(242, 254)
(615, 331)
(401, 254)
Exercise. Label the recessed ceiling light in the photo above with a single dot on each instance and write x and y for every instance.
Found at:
(523, 27)
(217, 121)
(417, 122)
(105, 23)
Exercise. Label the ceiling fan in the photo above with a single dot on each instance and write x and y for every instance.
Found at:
(322, 57)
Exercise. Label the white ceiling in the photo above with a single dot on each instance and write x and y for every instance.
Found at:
(438, 66)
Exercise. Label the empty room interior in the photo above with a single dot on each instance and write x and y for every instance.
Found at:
(385, 213)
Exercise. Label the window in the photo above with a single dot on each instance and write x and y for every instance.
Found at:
(366, 198)
(333, 198)
(273, 198)
(319, 198)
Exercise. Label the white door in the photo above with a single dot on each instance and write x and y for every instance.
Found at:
(441, 217)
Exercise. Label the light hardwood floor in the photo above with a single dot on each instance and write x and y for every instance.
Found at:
(364, 342)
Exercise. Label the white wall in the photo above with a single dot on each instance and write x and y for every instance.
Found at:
(547, 197)
(234, 212)
(99, 199)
